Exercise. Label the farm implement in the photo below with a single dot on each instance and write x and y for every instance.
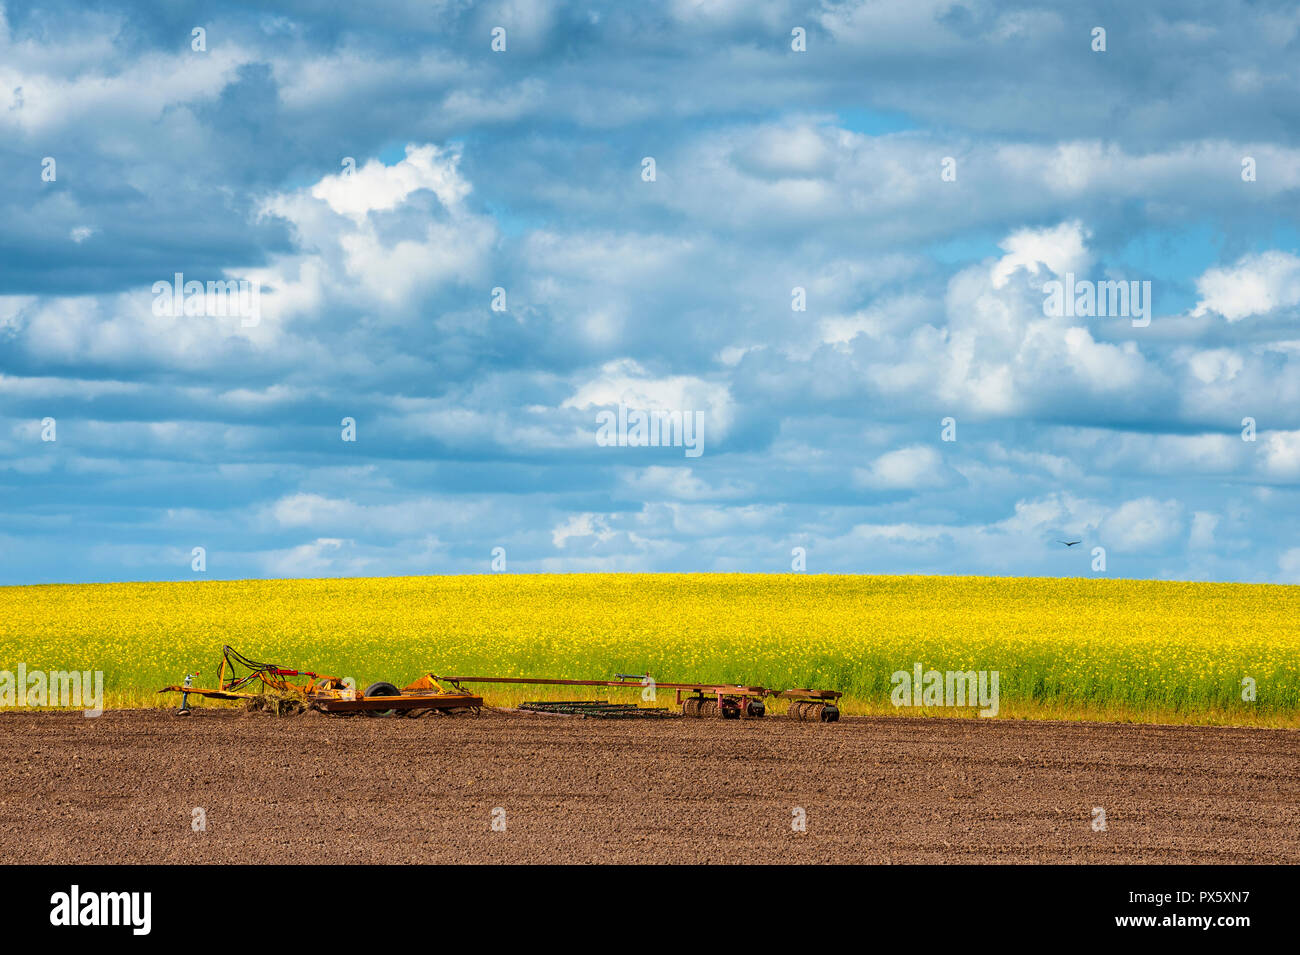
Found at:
(265, 686)
(730, 701)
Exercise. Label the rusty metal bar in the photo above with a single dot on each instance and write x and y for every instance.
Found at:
(363, 704)
(729, 688)
(625, 680)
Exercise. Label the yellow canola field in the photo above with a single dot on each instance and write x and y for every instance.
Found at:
(1062, 647)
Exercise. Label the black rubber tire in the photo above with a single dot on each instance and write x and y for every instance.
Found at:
(381, 689)
(755, 708)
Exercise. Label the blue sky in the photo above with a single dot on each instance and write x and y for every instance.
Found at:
(775, 169)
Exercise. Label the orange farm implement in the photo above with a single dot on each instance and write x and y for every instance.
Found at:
(266, 686)
(282, 690)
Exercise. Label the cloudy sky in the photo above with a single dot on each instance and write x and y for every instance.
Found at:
(914, 177)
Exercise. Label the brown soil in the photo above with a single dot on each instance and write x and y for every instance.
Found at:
(314, 788)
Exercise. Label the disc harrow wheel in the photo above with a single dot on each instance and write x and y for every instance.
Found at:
(813, 711)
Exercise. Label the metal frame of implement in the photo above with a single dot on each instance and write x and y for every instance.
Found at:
(725, 700)
(327, 693)
(599, 709)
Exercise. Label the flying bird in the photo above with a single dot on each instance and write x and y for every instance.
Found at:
(1069, 543)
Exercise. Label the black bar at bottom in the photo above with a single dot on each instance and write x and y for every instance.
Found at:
(1222, 904)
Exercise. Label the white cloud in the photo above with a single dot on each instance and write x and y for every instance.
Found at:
(1060, 249)
(998, 353)
(122, 328)
(1218, 365)
(323, 556)
(1203, 527)
(910, 468)
(1059, 512)
(129, 96)
(680, 483)
(362, 265)
(376, 188)
(625, 381)
(310, 510)
(1142, 524)
(1282, 454)
(579, 526)
(1255, 285)
(495, 105)
(1289, 564)
(396, 519)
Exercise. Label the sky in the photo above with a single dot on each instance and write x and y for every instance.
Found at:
(471, 236)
